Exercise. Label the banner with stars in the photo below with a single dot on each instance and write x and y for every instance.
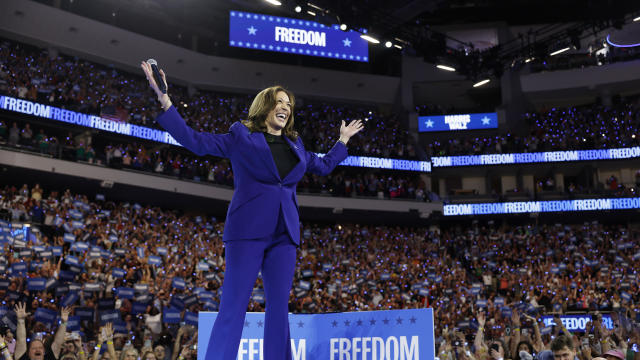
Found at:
(294, 36)
(364, 335)
(458, 122)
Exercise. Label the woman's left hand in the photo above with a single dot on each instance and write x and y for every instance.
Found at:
(347, 131)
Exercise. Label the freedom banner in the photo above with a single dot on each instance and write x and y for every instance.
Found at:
(366, 335)
(294, 36)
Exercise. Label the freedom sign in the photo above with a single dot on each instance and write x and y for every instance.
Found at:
(365, 335)
(295, 36)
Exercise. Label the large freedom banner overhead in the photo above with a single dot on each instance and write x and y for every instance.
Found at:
(294, 36)
(366, 335)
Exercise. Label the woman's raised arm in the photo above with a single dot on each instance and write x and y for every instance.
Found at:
(200, 143)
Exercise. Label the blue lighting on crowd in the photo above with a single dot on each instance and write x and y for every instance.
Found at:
(96, 122)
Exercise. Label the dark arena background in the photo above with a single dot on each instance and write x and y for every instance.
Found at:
(489, 209)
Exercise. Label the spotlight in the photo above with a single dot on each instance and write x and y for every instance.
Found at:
(560, 51)
(343, 27)
(298, 8)
(388, 44)
(445, 67)
(274, 2)
(480, 83)
(529, 60)
(370, 39)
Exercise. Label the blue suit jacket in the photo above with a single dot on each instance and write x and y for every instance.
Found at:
(260, 192)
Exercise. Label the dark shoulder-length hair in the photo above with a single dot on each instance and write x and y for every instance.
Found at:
(262, 105)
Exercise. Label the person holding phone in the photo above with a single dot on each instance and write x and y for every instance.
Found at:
(262, 229)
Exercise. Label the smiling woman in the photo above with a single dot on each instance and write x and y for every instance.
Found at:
(262, 230)
(272, 112)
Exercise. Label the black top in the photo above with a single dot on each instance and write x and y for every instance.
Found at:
(282, 154)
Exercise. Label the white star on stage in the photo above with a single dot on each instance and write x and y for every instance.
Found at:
(346, 42)
(485, 120)
(252, 30)
(429, 123)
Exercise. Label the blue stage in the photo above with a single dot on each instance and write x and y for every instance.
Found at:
(379, 335)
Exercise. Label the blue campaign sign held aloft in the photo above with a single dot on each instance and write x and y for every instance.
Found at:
(295, 36)
(458, 122)
(366, 335)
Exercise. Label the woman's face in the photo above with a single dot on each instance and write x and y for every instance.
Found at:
(278, 117)
(523, 347)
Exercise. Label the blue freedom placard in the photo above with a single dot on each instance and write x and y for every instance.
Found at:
(458, 122)
(391, 334)
(295, 36)
(577, 322)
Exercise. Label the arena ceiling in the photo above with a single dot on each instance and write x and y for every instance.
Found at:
(421, 25)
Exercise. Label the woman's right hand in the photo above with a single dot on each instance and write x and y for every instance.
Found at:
(148, 73)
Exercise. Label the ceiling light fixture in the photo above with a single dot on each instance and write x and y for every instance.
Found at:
(560, 51)
(480, 83)
(370, 39)
(445, 67)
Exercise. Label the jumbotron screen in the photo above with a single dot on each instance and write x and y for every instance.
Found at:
(294, 36)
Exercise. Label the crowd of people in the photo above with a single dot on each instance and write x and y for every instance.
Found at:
(40, 75)
(80, 85)
(100, 262)
(176, 162)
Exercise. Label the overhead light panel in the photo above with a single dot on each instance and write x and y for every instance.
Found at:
(397, 46)
(637, 19)
(315, 6)
(311, 13)
(370, 39)
(560, 51)
(480, 83)
(274, 2)
(445, 67)
(528, 60)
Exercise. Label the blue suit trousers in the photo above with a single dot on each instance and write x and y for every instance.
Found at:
(275, 256)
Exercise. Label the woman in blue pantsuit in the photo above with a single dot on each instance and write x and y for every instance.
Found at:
(262, 228)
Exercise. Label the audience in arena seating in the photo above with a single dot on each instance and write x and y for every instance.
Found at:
(75, 84)
(129, 265)
(576, 128)
(177, 162)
